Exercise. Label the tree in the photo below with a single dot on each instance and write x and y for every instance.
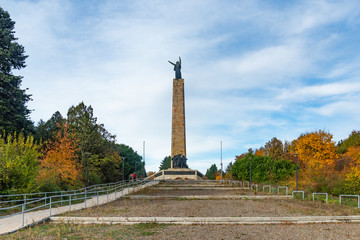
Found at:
(92, 137)
(165, 163)
(18, 164)
(59, 167)
(263, 168)
(317, 159)
(131, 158)
(210, 173)
(14, 114)
(111, 167)
(228, 171)
(316, 149)
(353, 169)
(352, 140)
(45, 130)
(274, 148)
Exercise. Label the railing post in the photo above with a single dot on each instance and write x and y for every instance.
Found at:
(107, 195)
(23, 214)
(25, 198)
(45, 199)
(70, 202)
(50, 206)
(61, 198)
(97, 198)
(85, 198)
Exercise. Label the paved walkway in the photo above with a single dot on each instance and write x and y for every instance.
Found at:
(14, 223)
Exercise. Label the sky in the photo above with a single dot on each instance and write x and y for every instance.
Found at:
(253, 70)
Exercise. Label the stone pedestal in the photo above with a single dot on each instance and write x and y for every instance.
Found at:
(178, 138)
(178, 174)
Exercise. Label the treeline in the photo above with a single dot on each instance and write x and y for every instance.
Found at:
(61, 151)
(323, 164)
(54, 154)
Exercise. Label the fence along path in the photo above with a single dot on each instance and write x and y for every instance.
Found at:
(14, 223)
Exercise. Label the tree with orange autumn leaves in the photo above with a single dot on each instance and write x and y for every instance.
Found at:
(59, 166)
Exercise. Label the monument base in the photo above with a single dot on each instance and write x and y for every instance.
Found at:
(178, 174)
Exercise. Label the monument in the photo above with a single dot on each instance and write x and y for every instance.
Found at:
(179, 168)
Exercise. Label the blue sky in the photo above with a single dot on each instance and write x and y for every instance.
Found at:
(253, 70)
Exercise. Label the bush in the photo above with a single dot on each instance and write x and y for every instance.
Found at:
(18, 163)
(263, 169)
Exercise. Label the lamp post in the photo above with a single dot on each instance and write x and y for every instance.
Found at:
(250, 172)
(296, 167)
(221, 164)
(144, 173)
(87, 168)
(123, 175)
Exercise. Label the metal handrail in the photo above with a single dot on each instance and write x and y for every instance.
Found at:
(88, 193)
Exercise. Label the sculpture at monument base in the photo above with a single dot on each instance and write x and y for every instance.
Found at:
(179, 161)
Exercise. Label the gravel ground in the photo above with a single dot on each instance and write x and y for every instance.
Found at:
(201, 208)
(303, 232)
(212, 208)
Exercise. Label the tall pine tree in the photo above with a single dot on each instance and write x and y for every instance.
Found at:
(14, 114)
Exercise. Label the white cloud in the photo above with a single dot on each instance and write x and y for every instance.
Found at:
(309, 93)
(250, 68)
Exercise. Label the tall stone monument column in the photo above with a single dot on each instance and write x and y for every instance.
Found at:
(179, 168)
(178, 137)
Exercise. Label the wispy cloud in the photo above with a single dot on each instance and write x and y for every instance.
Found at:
(253, 69)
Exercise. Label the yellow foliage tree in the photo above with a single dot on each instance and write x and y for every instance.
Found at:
(316, 149)
(317, 156)
(353, 171)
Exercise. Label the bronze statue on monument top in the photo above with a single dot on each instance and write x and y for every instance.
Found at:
(177, 68)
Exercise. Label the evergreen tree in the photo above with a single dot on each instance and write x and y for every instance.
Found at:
(165, 163)
(45, 130)
(210, 173)
(14, 114)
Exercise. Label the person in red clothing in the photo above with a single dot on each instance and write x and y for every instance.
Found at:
(134, 176)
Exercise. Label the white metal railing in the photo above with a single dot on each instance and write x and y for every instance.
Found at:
(48, 200)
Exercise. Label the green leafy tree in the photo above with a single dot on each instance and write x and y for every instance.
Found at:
(263, 168)
(165, 163)
(210, 173)
(353, 140)
(14, 114)
(44, 131)
(131, 158)
(92, 137)
(18, 164)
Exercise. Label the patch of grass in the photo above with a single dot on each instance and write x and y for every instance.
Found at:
(180, 199)
(74, 231)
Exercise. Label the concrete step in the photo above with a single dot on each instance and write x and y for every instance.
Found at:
(206, 197)
(207, 220)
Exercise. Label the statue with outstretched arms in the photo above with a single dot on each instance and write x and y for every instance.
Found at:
(177, 68)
